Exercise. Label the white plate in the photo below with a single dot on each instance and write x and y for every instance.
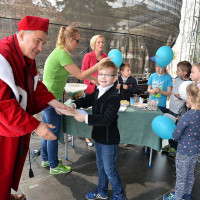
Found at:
(75, 87)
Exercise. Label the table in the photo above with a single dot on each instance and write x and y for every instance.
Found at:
(134, 127)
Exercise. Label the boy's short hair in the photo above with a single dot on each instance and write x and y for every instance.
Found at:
(109, 65)
(123, 65)
(186, 67)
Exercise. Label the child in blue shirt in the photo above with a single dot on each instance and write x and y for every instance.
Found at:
(160, 87)
(187, 133)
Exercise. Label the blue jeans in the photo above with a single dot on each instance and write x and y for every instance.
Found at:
(163, 109)
(106, 156)
(50, 147)
(172, 113)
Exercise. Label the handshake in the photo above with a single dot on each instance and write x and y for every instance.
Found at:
(72, 111)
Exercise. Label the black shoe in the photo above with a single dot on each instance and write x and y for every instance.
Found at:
(17, 197)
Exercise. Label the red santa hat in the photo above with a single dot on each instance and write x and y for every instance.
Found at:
(33, 23)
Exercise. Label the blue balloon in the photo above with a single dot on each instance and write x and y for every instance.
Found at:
(116, 57)
(163, 126)
(164, 56)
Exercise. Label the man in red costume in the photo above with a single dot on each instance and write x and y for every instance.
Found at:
(21, 96)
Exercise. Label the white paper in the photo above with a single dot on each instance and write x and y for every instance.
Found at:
(122, 109)
(67, 112)
(82, 111)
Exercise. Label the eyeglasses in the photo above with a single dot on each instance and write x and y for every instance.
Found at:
(106, 75)
(77, 41)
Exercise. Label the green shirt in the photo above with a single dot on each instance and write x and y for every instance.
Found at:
(55, 75)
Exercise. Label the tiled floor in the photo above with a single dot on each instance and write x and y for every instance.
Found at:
(140, 182)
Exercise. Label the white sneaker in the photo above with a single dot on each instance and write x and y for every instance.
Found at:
(90, 144)
(69, 138)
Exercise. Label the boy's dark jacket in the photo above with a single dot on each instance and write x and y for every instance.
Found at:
(104, 115)
(132, 88)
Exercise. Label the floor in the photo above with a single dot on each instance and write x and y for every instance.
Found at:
(139, 181)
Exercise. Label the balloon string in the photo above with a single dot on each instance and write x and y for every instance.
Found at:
(118, 79)
(158, 82)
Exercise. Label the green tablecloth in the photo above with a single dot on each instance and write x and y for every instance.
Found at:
(134, 126)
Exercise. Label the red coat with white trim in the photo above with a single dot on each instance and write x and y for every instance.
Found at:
(16, 111)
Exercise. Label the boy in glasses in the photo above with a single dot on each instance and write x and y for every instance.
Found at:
(105, 104)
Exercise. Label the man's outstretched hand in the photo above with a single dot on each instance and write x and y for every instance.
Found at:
(57, 104)
(44, 132)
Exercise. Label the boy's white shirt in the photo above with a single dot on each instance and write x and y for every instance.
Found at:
(101, 92)
(124, 79)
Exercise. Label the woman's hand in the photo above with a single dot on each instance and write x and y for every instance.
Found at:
(94, 80)
(104, 59)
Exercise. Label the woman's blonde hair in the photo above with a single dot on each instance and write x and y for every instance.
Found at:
(64, 34)
(94, 39)
(193, 90)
